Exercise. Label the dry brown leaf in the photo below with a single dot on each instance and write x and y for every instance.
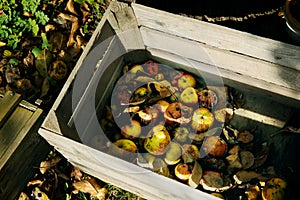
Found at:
(90, 186)
(84, 8)
(35, 182)
(70, 7)
(45, 87)
(45, 165)
(74, 28)
(76, 173)
(246, 176)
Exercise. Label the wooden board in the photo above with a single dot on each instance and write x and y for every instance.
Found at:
(260, 66)
(21, 148)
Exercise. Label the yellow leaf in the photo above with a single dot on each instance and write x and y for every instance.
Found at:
(2, 44)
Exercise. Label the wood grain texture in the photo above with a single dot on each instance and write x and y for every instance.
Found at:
(121, 173)
(8, 104)
(219, 36)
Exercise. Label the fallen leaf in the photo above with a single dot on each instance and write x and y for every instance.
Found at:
(35, 182)
(84, 8)
(76, 173)
(42, 62)
(57, 41)
(70, 7)
(246, 176)
(74, 28)
(45, 88)
(2, 44)
(90, 186)
(46, 165)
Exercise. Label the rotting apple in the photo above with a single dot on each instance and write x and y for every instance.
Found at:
(178, 113)
(207, 98)
(190, 153)
(183, 171)
(274, 189)
(152, 67)
(162, 105)
(173, 153)
(157, 140)
(132, 130)
(186, 80)
(214, 146)
(181, 134)
(189, 96)
(202, 119)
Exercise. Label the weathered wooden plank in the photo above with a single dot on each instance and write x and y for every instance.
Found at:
(15, 171)
(121, 173)
(229, 65)
(219, 36)
(8, 104)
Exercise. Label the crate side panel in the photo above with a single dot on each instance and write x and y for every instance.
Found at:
(219, 36)
(264, 75)
(121, 173)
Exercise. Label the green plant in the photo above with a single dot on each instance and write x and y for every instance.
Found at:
(20, 17)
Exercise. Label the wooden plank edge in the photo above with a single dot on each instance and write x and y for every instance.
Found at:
(219, 36)
(121, 173)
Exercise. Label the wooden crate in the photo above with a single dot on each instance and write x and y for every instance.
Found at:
(266, 71)
(21, 147)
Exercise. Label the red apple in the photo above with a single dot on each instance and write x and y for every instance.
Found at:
(214, 146)
(178, 113)
(186, 80)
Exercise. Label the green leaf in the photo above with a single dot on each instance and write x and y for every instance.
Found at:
(42, 62)
(45, 43)
(13, 61)
(36, 51)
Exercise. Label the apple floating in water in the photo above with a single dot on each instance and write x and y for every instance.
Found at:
(189, 96)
(132, 130)
(157, 141)
(202, 119)
(183, 171)
(186, 80)
(173, 154)
(214, 146)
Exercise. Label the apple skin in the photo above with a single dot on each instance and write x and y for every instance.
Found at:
(123, 148)
(183, 171)
(186, 80)
(214, 146)
(207, 98)
(190, 153)
(157, 141)
(189, 96)
(132, 130)
(202, 119)
(136, 68)
(181, 134)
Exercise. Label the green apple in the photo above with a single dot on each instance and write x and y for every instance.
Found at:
(157, 141)
(136, 68)
(186, 80)
(123, 148)
(181, 134)
(202, 119)
(189, 96)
